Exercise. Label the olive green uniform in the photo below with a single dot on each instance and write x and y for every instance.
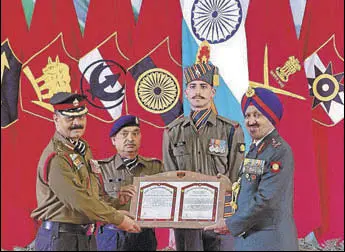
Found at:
(68, 190)
(218, 147)
(115, 175)
(184, 148)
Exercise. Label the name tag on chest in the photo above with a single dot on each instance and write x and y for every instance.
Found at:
(253, 166)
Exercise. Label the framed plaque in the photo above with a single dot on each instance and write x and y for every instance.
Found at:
(178, 199)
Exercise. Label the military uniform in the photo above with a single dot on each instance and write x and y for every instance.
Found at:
(218, 147)
(67, 187)
(264, 218)
(115, 175)
(68, 192)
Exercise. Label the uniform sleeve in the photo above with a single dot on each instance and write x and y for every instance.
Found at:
(236, 155)
(70, 190)
(169, 160)
(270, 188)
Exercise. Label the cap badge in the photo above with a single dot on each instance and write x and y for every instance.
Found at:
(250, 92)
(75, 102)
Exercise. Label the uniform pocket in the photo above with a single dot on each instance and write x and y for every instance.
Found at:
(183, 157)
(219, 161)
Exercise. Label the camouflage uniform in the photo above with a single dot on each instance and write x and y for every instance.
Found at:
(115, 175)
(184, 148)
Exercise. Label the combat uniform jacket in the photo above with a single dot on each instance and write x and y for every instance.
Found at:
(68, 190)
(218, 147)
(115, 175)
(264, 218)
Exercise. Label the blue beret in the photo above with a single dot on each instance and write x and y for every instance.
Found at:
(124, 121)
(265, 101)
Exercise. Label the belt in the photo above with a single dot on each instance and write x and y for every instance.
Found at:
(68, 227)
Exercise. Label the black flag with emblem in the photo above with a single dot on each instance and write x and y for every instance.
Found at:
(10, 73)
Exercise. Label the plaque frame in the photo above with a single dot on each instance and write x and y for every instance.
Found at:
(187, 179)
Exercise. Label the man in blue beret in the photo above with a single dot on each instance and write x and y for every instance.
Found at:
(118, 172)
(67, 188)
(263, 195)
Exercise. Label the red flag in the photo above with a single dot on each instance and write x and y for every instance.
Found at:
(322, 43)
(49, 19)
(272, 44)
(13, 26)
(49, 71)
(154, 80)
(158, 19)
(105, 18)
(103, 72)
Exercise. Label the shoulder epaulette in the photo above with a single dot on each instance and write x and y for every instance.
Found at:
(232, 122)
(150, 159)
(177, 121)
(106, 160)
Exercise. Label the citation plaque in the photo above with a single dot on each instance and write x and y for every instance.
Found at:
(178, 199)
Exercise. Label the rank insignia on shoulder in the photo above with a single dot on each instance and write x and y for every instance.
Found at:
(275, 144)
(241, 147)
(253, 166)
(76, 161)
(217, 146)
(275, 167)
(95, 167)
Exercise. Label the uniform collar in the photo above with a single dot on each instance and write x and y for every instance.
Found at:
(119, 162)
(260, 140)
(211, 119)
(266, 140)
(65, 142)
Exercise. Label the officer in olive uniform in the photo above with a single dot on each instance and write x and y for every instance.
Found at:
(263, 195)
(67, 188)
(203, 142)
(118, 172)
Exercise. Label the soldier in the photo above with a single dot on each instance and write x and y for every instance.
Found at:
(67, 188)
(203, 142)
(264, 217)
(118, 172)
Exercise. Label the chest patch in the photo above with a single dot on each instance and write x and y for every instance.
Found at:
(78, 163)
(253, 166)
(217, 146)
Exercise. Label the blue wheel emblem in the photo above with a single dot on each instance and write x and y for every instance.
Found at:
(216, 20)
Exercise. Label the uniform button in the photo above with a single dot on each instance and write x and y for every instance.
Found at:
(199, 152)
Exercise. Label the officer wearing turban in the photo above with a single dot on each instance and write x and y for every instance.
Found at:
(263, 195)
(118, 172)
(67, 187)
(203, 142)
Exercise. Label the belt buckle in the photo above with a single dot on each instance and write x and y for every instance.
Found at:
(91, 228)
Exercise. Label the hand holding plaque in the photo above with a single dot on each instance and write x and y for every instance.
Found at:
(179, 199)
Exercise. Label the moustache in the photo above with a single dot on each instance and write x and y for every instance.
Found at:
(253, 125)
(76, 127)
(198, 97)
